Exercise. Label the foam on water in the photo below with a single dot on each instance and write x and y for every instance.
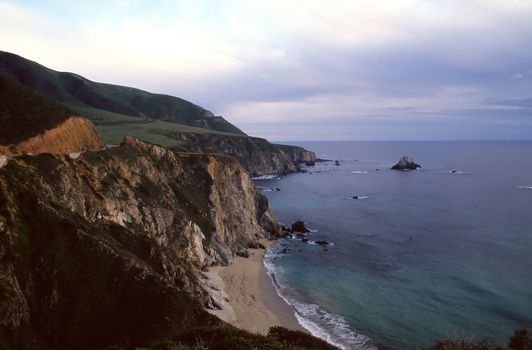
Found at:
(265, 189)
(327, 326)
(459, 172)
(359, 172)
(266, 177)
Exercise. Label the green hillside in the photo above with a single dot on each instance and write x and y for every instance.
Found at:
(25, 113)
(75, 90)
(114, 126)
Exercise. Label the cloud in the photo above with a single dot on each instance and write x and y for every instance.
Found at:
(520, 102)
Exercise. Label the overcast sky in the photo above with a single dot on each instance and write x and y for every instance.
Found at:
(303, 70)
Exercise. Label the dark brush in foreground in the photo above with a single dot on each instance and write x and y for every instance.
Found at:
(521, 340)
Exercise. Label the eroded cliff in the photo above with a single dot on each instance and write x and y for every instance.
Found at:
(106, 249)
(74, 135)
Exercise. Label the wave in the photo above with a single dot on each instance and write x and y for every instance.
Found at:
(328, 244)
(359, 172)
(357, 197)
(265, 189)
(266, 177)
(525, 187)
(327, 326)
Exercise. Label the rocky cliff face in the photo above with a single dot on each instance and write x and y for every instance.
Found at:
(75, 134)
(257, 155)
(106, 248)
(298, 154)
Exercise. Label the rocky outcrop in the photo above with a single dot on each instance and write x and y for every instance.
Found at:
(258, 156)
(406, 163)
(106, 248)
(75, 134)
(299, 226)
(298, 154)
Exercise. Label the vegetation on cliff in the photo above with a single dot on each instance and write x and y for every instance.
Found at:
(520, 340)
(32, 123)
(25, 113)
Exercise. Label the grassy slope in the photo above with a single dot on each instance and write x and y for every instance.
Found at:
(25, 113)
(114, 126)
(73, 89)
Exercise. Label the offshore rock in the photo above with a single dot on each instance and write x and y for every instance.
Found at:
(299, 226)
(406, 163)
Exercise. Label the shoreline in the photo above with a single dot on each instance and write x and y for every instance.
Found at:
(247, 296)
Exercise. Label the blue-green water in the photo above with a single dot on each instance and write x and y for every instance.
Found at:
(427, 255)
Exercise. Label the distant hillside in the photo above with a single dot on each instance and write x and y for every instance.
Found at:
(75, 90)
(25, 113)
(32, 123)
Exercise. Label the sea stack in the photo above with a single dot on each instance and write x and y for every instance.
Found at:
(406, 163)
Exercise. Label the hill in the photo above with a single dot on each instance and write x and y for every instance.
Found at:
(75, 90)
(32, 123)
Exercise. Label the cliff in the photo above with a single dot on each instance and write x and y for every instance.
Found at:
(298, 154)
(258, 156)
(106, 249)
(31, 123)
(75, 134)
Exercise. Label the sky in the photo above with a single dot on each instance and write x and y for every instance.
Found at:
(303, 70)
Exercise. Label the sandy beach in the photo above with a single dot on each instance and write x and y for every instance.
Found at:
(247, 295)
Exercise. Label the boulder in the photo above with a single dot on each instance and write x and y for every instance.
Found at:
(299, 226)
(406, 163)
(244, 253)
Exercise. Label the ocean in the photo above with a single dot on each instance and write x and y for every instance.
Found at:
(421, 255)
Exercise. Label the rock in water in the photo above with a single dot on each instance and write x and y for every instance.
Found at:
(406, 163)
(299, 226)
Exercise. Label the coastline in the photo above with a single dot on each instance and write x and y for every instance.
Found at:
(247, 296)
